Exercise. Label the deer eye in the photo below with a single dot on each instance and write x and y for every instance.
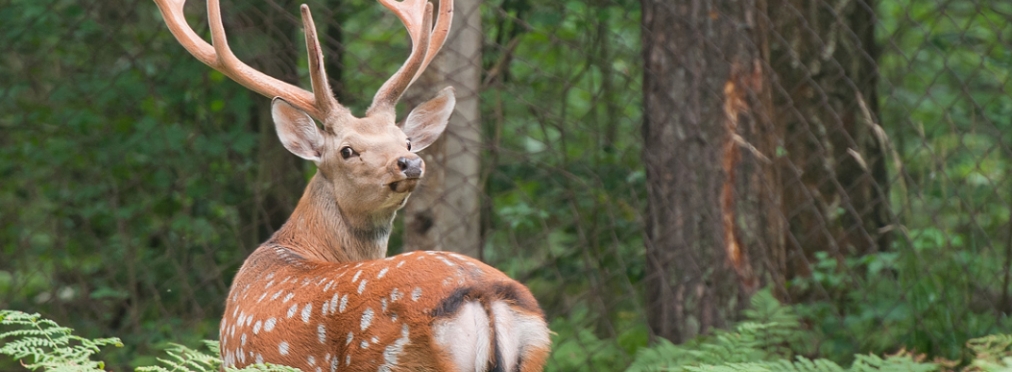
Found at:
(347, 152)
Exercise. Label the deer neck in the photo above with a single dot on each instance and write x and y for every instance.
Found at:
(320, 230)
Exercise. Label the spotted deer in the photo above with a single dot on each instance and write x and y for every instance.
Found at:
(319, 294)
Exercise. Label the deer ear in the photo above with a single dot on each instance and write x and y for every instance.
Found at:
(426, 122)
(297, 131)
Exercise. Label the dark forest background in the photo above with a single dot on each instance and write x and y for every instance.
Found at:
(644, 167)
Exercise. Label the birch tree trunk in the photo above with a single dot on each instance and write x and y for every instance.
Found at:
(444, 212)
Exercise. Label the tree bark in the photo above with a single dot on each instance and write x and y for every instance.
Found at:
(834, 174)
(444, 212)
(713, 224)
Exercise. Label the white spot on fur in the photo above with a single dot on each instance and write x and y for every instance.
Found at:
(292, 310)
(399, 264)
(283, 348)
(364, 344)
(262, 297)
(416, 294)
(447, 262)
(395, 295)
(366, 318)
(269, 284)
(383, 302)
(269, 324)
(260, 358)
(333, 302)
(256, 327)
(361, 286)
(288, 297)
(355, 278)
(333, 365)
(347, 360)
(382, 273)
(276, 295)
(306, 312)
(311, 360)
(321, 333)
(243, 338)
(350, 337)
(344, 303)
(325, 307)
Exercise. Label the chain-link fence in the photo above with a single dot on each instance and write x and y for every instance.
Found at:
(644, 167)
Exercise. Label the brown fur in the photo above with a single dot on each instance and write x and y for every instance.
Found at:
(314, 257)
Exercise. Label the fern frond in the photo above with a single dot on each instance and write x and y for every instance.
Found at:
(41, 343)
(185, 359)
(991, 353)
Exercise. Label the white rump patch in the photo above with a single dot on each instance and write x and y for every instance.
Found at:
(516, 331)
(466, 336)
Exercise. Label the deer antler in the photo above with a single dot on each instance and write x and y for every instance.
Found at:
(319, 104)
(425, 44)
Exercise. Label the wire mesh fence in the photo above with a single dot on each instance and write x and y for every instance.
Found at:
(643, 167)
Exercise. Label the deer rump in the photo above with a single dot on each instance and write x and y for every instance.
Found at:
(382, 315)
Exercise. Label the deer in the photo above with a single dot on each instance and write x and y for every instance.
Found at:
(320, 293)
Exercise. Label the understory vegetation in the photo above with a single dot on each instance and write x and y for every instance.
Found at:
(771, 337)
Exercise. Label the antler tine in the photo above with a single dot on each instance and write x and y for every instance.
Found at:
(420, 32)
(325, 100)
(439, 34)
(219, 57)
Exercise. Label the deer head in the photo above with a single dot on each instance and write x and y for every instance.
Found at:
(369, 164)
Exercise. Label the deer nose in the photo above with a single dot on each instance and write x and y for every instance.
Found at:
(412, 168)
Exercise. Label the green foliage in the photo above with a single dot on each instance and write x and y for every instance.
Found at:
(51, 347)
(577, 347)
(42, 344)
(770, 339)
(184, 359)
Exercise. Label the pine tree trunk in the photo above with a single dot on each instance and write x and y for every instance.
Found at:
(713, 222)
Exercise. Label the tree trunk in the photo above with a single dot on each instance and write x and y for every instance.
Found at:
(713, 220)
(834, 175)
(280, 178)
(444, 212)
